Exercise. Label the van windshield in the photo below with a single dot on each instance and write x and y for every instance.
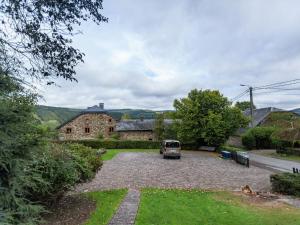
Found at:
(172, 144)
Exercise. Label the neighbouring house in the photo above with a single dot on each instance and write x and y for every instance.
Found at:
(261, 117)
(91, 123)
(142, 129)
(95, 122)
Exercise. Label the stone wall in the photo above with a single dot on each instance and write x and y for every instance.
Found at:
(136, 135)
(88, 126)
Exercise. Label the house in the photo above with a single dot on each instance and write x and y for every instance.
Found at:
(142, 129)
(94, 122)
(88, 124)
(261, 117)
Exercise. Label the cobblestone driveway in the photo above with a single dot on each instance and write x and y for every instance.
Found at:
(195, 170)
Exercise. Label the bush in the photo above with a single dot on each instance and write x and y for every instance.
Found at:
(286, 183)
(59, 168)
(259, 138)
(87, 159)
(112, 144)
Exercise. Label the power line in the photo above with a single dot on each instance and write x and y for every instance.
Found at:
(240, 95)
(283, 83)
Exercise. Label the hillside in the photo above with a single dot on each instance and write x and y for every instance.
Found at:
(296, 111)
(58, 115)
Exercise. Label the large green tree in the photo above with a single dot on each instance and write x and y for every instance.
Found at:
(19, 138)
(36, 35)
(206, 117)
(244, 105)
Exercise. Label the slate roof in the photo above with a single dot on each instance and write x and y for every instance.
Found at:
(89, 110)
(138, 125)
(259, 115)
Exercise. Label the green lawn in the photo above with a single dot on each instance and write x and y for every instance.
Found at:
(113, 152)
(107, 203)
(182, 207)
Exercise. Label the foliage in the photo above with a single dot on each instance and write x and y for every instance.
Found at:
(259, 138)
(20, 137)
(36, 36)
(194, 207)
(87, 159)
(159, 126)
(115, 136)
(107, 203)
(57, 172)
(112, 144)
(288, 151)
(207, 118)
(126, 116)
(286, 183)
(244, 105)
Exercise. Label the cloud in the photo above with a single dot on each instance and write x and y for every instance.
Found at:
(152, 52)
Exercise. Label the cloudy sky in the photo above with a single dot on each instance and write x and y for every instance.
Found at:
(152, 52)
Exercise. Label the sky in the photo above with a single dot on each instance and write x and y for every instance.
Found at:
(152, 52)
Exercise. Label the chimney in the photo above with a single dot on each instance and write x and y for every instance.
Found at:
(101, 106)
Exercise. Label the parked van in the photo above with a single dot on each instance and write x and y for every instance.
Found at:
(170, 148)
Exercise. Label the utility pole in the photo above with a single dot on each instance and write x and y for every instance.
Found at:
(251, 105)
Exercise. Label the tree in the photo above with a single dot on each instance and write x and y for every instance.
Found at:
(159, 126)
(244, 105)
(19, 138)
(206, 117)
(36, 36)
(125, 116)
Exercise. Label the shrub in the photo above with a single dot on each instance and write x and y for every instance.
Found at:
(55, 172)
(112, 144)
(258, 137)
(87, 159)
(286, 183)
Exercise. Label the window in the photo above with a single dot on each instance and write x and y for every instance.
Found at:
(87, 130)
(172, 144)
(111, 129)
(150, 139)
(69, 130)
(109, 120)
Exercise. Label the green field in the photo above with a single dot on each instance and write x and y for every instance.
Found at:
(107, 203)
(113, 152)
(183, 207)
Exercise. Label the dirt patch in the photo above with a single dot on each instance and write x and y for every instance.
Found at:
(71, 210)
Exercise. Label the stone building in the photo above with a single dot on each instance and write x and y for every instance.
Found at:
(95, 122)
(89, 124)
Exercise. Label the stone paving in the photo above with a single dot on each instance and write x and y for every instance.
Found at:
(128, 209)
(194, 170)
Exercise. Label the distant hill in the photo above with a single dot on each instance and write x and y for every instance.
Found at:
(296, 111)
(59, 115)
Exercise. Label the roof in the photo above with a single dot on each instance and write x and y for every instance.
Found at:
(79, 114)
(259, 115)
(139, 125)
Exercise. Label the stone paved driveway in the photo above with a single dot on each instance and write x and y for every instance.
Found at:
(195, 170)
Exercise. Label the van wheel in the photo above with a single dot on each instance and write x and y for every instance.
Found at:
(160, 152)
(178, 157)
(164, 157)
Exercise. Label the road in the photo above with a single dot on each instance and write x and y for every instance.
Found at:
(272, 163)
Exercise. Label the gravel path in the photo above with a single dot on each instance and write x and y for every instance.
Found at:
(194, 170)
(128, 209)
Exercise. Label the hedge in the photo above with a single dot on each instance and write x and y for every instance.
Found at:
(286, 183)
(116, 144)
(112, 144)
(258, 138)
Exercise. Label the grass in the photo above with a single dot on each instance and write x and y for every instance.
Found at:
(276, 155)
(182, 207)
(110, 153)
(107, 203)
(286, 157)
